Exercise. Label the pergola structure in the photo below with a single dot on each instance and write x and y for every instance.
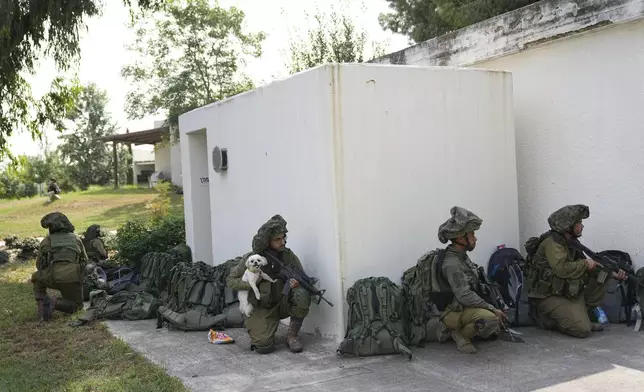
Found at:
(149, 136)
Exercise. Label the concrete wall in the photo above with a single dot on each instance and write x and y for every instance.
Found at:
(197, 193)
(281, 162)
(363, 161)
(175, 163)
(142, 153)
(416, 142)
(579, 133)
(578, 89)
(163, 160)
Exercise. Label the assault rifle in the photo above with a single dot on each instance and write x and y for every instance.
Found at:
(607, 263)
(491, 294)
(305, 281)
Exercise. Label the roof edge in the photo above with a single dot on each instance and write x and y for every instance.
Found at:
(516, 31)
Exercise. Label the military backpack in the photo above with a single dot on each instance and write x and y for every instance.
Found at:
(196, 299)
(505, 268)
(124, 305)
(155, 272)
(376, 325)
(426, 291)
(621, 296)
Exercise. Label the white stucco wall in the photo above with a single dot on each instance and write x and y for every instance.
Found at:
(175, 163)
(196, 192)
(163, 160)
(578, 107)
(142, 153)
(280, 152)
(578, 89)
(416, 142)
(363, 161)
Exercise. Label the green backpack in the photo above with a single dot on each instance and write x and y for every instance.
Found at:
(124, 305)
(155, 272)
(424, 285)
(196, 299)
(375, 324)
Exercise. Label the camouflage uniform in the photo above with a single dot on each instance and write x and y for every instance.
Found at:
(469, 315)
(272, 305)
(93, 244)
(559, 281)
(60, 265)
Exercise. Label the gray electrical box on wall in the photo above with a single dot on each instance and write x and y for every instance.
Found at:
(219, 159)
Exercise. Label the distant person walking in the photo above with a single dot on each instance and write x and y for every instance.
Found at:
(53, 191)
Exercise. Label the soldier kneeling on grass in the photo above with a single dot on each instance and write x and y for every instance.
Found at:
(60, 265)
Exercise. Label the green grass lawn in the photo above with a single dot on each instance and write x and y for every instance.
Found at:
(56, 357)
(105, 206)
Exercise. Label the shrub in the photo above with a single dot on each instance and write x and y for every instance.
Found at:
(160, 206)
(11, 241)
(135, 238)
(30, 190)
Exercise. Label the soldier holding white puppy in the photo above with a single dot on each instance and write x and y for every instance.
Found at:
(272, 306)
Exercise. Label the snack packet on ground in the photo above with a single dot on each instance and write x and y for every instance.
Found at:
(217, 337)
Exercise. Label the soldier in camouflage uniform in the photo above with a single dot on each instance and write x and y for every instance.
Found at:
(272, 305)
(94, 246)
(60, 265)
(561, 282)
(468, 315)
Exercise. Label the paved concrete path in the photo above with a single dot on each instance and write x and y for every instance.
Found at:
(608, 361)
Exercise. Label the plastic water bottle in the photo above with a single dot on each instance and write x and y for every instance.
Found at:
(601, 316)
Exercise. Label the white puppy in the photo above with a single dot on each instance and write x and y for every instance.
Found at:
(253, 275)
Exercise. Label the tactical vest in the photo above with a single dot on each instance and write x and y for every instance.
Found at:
(471, 274)
(64, 247)
(90, 250)
(541, 280)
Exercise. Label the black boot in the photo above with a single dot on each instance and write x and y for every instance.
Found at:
(46, 308)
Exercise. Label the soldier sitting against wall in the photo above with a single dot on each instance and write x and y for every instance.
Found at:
(273, 306)
(562, 284)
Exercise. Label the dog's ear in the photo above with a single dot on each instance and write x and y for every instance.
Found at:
(248, 260)
(264, 261)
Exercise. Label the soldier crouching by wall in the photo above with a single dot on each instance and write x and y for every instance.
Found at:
(468, 315)
(562, 284)
(273, 306)
(60, 265)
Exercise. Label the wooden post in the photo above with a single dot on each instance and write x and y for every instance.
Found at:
(130, 169)
(116, 165)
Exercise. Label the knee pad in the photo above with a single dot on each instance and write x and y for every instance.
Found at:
(264, 349)
(66, 306)
(486, 328)
(301, 298)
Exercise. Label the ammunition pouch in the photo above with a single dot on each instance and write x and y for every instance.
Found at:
(542, 283)
(270, 294)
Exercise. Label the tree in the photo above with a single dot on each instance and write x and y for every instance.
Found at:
(28, 31)
(334, 39)
(425, 19)
(189, 56)
(87, 158)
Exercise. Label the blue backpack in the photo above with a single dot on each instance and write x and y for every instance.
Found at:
(506, 269)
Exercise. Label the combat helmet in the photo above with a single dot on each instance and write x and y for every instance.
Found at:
(461, 223)
(562, 220)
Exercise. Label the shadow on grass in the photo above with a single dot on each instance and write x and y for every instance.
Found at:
(125, 211)
(121, 191)
(77, 359)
